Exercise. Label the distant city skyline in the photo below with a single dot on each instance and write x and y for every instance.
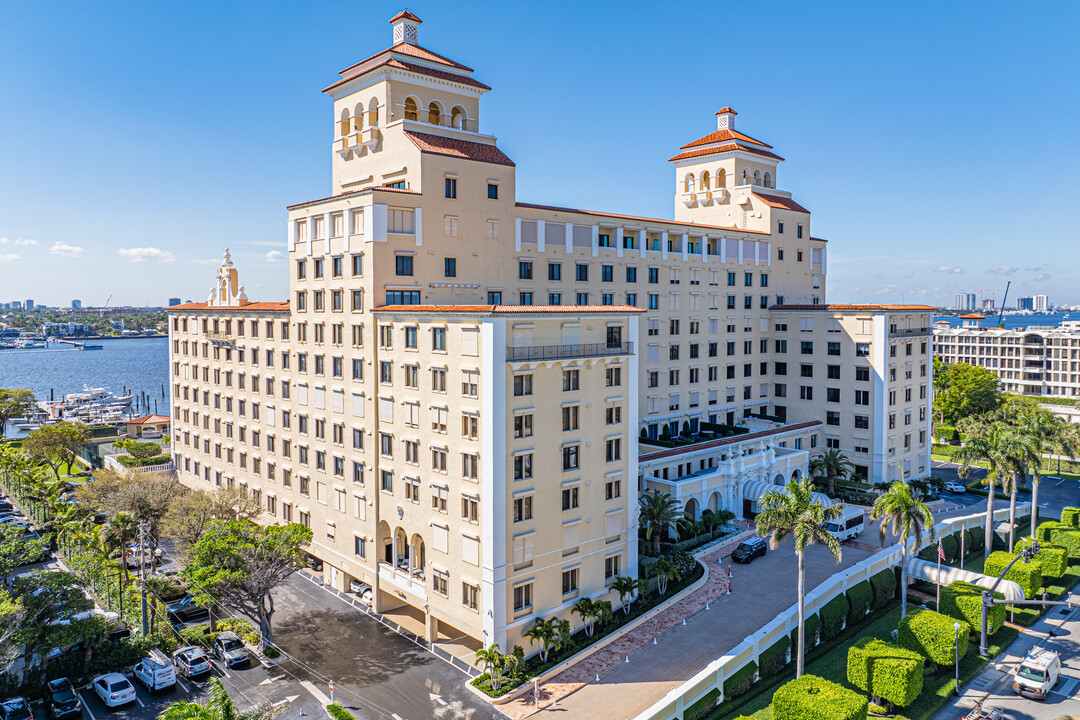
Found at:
(222, 134)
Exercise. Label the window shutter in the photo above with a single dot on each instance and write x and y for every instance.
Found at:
(320, 398)
(613, 524)
(440, 538)
(339, 401)
(386, 409)
(358, 404)
(571, 536)
(470, 341)
(470, 549)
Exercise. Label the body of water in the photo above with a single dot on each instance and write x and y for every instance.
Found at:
(139, 366)
(1013, 322)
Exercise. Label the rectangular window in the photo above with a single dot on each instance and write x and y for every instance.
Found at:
(523, 426)
(523, 508)
(525, 270)
(523, 385)
(493, 191)
(554, 271)
(570, 380)
(570, 581)
(403, 265)
(450, 267)
(451, 187)
(570, 457)
(523, 597)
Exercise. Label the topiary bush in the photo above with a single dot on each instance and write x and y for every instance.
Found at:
(833, 616)
(338, 712)
(814, 698)
(773, 659)
(885, 671)
(951, 545)
(1053, 559)
(975, 541)
(1042, 533)
(811, 633)
(963, 601)
(1066, 537)
(740, 681)
(859, 598)
(1028, 575)
(1070, 517)
(884, 587)
(931, 634)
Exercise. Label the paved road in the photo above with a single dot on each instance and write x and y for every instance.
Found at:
(993, 685)
(1054, 492)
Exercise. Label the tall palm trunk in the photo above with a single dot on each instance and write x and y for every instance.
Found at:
(903, 579)
(1034, 505)
(802, 613)
(1012, 513)
(988, 533)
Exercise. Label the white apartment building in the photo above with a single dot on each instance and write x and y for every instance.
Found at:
(465, 393)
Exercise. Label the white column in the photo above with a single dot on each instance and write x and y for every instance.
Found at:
(569, 238)
(595, 240)
(685, 240)
(517, 234)
(418, 226)
(642, 235)
(541, 231)
(663, 245)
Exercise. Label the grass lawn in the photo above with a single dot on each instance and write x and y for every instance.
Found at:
(833, 666)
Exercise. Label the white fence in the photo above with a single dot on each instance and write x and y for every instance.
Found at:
(675, 703)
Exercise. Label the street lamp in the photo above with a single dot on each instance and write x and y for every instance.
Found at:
(956, 657)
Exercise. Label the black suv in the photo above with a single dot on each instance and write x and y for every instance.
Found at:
(749, 549)
(61, 700)
(185, 610)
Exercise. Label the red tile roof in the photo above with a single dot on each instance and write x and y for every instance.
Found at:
(405, 15)
(510, 309)
(255, 306)
(147, 419)
(724, 135)
(554, 208)
(391, 61)
(465, 149)
(781, 202)
(659, 455)
(404, 48)
(724, 148)
(726, 109)
(857, 308)
(942, 322)
(972, 316)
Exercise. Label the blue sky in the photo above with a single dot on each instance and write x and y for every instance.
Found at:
(935, 143)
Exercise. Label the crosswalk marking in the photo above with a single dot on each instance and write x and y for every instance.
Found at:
(1066, 688)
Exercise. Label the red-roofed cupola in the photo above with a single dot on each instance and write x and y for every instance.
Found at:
(406, 27)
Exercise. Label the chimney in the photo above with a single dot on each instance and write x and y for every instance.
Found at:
(725, 118)
(406, 28)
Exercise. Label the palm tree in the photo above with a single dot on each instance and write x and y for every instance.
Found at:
(546, 634)
(626, 587)
(796, 512)
(665, 571)
(832, 464)
(121, 530)
(999, 446)
(657, 513)
(218, 707)
(1046, 432)
(494, 663)
(905, 516)
(586, 608)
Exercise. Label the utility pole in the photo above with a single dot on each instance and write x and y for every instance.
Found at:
(143, 527)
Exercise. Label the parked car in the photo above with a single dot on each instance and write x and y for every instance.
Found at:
(114, 689)
(61, 700)
(229, 648)
(362, 590)
(314, 563)
(749, 549)
(955, 487)
(1037, 674)
(16, 709)
(191, 661)
(185, 610)
(155, 671)
(100, 518)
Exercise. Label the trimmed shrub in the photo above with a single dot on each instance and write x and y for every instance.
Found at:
(859, 598)
(963, 601)
(833, 615)
(811, 633)
(740, 681)
(773, 659)
(975, 541)
(814, 698)
(703, 706)
(931, 634)
(1070, 516)
(1066, 537)
(951, 545)
(885, 671)
(884, 586)
(1042, 533)
(337, 711)
(1028, 575)
(1053, 559)
(947, 434)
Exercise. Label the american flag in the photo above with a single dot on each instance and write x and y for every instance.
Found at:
(940, 551)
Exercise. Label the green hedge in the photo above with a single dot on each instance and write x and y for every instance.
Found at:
(833, 616)
(773, 659)
(1068, 538)
(740, 681)
(338, 712)
(1042, 532)
(1053, 559)
(703, 706)
(951, 545)
(814, 698)
(884, 586)
(963, 601)
(811, 633)
(885, 671)
(1028, 575)
(931, 634)
(975, 542)
(1070, 516)
(859, 598)
(946, 433)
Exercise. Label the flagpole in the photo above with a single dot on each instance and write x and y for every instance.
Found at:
(939, 582)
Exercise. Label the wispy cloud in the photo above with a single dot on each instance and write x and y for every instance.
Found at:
(265, 243)
(9, 257)
(207, 261)
(147, 253)
(1042, 276)
(275, 256)
(65, 250)
(17, 241)
(947, 269)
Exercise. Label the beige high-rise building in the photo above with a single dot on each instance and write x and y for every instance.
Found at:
(461, 397)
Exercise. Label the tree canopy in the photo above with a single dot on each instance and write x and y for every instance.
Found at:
(14, 403)
(190, 514)
(963, 391)
(57, 444)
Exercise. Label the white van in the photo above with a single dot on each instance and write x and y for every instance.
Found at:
(1037, 674)
(156, 671)
(849, 524)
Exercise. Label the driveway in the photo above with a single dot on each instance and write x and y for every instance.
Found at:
(376, 672)
(1054, 493)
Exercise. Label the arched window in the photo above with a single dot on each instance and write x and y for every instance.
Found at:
(768, 180)
(343, 123)
(745, 177)
(373, 113)
(705, 180)
(434, 114)
(688, 183)
(721, 178)
(457, 117)
(358, 117)
(412, 111)
(757, 177)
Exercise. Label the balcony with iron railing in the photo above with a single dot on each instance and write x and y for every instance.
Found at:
(908, 332)
(559, 352)
(220, 336)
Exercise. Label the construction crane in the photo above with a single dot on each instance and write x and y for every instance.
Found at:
(1003, 299)
(106, 307)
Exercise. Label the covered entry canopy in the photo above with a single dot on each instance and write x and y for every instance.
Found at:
(754, 489)
(926, 570)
